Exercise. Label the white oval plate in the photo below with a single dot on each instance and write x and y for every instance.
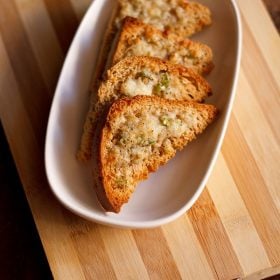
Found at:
(174, 188)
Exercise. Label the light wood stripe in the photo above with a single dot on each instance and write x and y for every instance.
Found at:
(42, 38)
(60, 252)
(253, 191)
(264, 274)
(251, 58)
(236, 219)
(256, 130)
(90, 248)
(156, 254)
(213, 238)
(25, 68)
(123, 253)
(184, 246)
(64, 21)
(264, 32)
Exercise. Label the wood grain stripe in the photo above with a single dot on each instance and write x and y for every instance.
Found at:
(22, 152)
(256, 66)
(256, 130)
(64, 20)
(156, 255)
(123, 253)
(33, 90)
(62, 255)
(186, 250)
(90, 248)
(42, 38)
(213, 238)
(236, 219)
(253, 190)
(265, 34)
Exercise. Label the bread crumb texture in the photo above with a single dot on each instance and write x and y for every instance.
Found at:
(179, 16)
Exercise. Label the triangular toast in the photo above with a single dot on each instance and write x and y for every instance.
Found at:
(140, 135)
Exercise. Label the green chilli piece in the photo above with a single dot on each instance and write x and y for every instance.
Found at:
(142, 74)
(165, 121)
(121, 182)
(163, 84)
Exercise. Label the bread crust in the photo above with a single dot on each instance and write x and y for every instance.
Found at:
(105, 184)
(138, 38)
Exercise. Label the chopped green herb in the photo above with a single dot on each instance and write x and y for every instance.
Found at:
(163, 83)
(157, 88)
(142, 74)
(141, 140)
(121, 182)
(151, 142)
(165, 120)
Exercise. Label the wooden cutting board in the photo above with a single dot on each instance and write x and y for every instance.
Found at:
(232, 231)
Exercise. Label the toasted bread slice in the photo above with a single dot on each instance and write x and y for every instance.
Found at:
(179, 16)
(139, 39)
(141, 76)
(140, 135)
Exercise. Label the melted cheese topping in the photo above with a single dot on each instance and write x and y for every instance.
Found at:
(160, 13)
(144, 47)
(132, 87)
(164, 84)
(139, 136)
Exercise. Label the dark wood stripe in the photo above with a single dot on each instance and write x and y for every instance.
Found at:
(213, 238)
(156, 255)
(256, 66)
(64, 20)
(273, 8)
(90, 248)
(253, 190)
(34, 92)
